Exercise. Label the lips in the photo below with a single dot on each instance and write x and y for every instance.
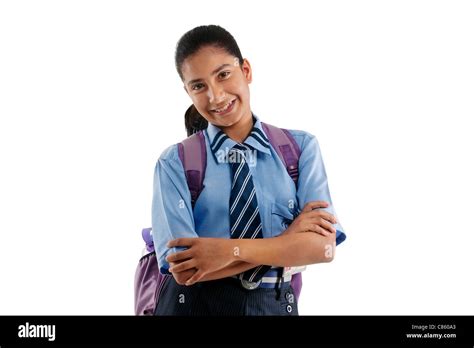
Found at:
(225, 108)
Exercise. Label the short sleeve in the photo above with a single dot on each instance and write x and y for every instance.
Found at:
(172, 214)
(313, 182)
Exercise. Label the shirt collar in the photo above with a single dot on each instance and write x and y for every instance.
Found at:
(257, 138)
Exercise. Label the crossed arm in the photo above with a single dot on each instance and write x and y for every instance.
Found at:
(215, 258)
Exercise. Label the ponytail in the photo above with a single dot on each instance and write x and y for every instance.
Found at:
(193, 121)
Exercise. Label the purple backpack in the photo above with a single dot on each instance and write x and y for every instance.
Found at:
(192, 153)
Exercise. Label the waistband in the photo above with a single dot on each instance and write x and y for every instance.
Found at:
(272, 279)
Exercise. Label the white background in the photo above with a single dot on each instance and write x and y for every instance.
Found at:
(89, 98)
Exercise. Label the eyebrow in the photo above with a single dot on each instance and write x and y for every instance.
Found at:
(215, 71)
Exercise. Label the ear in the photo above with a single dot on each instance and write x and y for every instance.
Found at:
(247, 70)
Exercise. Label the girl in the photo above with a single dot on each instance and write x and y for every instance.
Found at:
(226, 254)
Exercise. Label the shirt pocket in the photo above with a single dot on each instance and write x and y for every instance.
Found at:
(281, 218)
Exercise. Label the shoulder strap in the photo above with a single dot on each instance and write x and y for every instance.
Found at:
(286, 148)
(192, 153)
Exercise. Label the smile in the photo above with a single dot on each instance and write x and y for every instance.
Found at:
(225, 109)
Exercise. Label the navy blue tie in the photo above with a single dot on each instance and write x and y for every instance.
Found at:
(245, 219)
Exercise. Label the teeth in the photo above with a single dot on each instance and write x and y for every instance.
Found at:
(224, 108)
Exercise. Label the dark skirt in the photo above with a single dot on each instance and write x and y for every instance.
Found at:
(225, 297)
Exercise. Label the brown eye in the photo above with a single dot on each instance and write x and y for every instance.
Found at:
(224, 74)
(197, 86)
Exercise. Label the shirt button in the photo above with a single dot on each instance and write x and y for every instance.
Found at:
(289, 309)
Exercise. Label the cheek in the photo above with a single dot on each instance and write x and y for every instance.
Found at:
(240, 88)
(201, 103)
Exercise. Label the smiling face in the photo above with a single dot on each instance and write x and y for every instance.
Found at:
(218, 86)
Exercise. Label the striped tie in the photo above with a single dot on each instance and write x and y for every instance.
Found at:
(245, 219)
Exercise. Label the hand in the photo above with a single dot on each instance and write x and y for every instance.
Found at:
(182, 277)
(311, 220)
(206, 255)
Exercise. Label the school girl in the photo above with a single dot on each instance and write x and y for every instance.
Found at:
(227, 252)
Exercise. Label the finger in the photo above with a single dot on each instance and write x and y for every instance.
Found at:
(326, 225)
(327, 216)
(322, 231)
(314, 205)
(310, 226)
(179, 256)
(180, 242)
(183, 266)
(314, 227)
(195, 278)
(318, 220)
(320, 213)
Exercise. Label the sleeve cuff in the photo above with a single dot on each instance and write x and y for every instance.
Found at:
(340, 237)
(164, 271)
(165, 265)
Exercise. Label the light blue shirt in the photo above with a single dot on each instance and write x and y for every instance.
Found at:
(279, 200)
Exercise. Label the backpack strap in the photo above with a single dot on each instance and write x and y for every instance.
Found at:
(289, 153)
(148, 238)
(286, 148)
(192, 153)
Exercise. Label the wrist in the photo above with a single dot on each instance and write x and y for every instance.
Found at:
(236, 250)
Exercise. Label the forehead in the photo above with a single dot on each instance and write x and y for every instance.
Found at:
(201, 64)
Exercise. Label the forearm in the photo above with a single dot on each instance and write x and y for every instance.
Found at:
(296, 249)
(215, 258)
(232, 269)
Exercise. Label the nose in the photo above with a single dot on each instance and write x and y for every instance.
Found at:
(216, 94)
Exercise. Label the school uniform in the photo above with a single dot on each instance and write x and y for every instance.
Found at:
(279, 202)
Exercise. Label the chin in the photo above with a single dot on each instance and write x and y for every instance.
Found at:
(231, 121)
(223, 121)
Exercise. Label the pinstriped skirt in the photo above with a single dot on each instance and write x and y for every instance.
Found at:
(225, 297)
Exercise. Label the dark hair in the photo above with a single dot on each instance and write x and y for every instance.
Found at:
(193, 121)
(190, 43)
(205, 35)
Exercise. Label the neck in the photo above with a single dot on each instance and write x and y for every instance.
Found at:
(239, 131)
